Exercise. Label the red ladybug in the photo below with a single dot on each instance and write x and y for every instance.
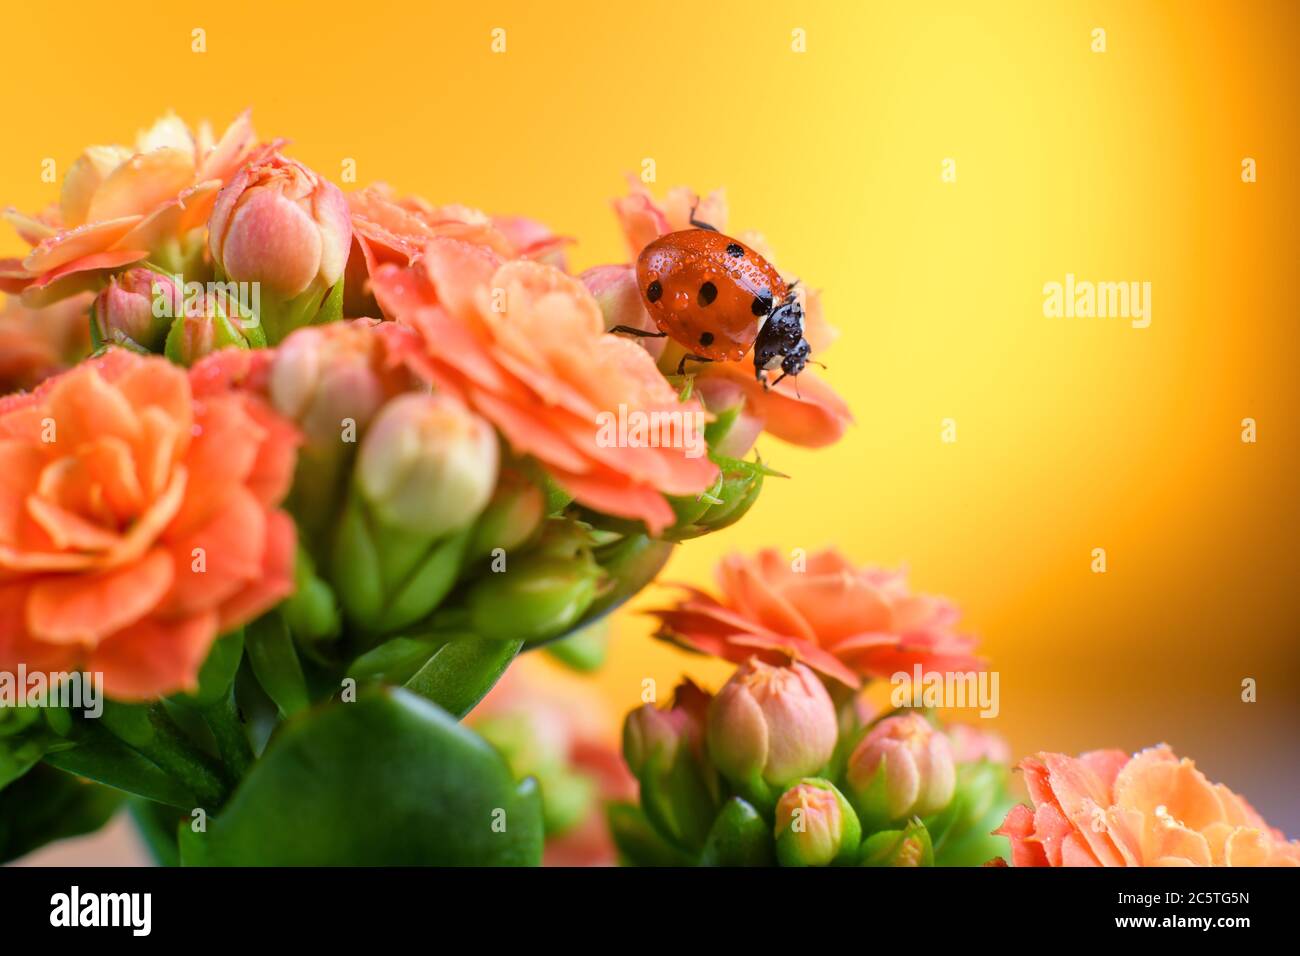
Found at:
(709, 293)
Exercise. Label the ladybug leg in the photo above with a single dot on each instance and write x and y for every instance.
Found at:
(639, 333)
(697, 223)
(770, 385)
(681, 366)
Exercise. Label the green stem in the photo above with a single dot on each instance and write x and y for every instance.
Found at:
(151, 732)
(223, 720)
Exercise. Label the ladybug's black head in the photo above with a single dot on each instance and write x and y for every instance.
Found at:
(780, 343)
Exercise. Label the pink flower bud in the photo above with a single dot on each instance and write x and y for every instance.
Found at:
(771, 725)
(427, 465)
(330, 380)
(815, 826)
(902, 767)
(137, 308)
(615, 289)
(280, 224)
(664, 750)
(649, 731)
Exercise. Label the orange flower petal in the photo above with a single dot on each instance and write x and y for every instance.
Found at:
(154, 657)
(85, 608)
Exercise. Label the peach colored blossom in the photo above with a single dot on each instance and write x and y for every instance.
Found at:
(524, 345)
(388, 228)
(120, 205)
(1105, 808)
(848, 623)
(804, 411)
(38, 343)
(137, 522)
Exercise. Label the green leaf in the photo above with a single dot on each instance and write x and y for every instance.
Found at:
(16, 759)
(156, 825)
(47, 805)
(389, 780)
(739, 837)
(355, 565)
(395, 660)
(101, 757)
(218, 670)
(462, 671)
(275, 663)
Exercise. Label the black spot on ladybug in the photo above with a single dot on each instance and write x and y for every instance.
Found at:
(761, 305)
(708, 292)
(653, 291)
(735, 250)
(706, 338)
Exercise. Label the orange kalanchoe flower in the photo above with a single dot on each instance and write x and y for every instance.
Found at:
(137, 522)
(524, 345)
(806, 412)
(119, 205)
(845, 622)
(387, 228)
(1106, 808)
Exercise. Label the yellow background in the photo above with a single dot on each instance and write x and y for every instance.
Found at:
(1072, 434)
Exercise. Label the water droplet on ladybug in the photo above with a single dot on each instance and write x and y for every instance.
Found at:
(681, 301)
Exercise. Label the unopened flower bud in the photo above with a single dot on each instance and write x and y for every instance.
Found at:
(910, 846)
(331, 380)
(902, 767)
(815, 826)
(541, 593)
(725, 503)
(770, 726)
(733, 430)
(201, 330)
(279, 224)
(615, 291)
(649, 730)
(428, 465)
(512, 515)
(136, 309)
(664, 750)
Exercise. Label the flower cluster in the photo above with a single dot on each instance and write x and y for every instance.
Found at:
(789, 763)
(1107, 808)
(264, 445)
(772, 770)
(850, 624)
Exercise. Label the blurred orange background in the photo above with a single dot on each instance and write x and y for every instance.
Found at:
(1072, 434)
